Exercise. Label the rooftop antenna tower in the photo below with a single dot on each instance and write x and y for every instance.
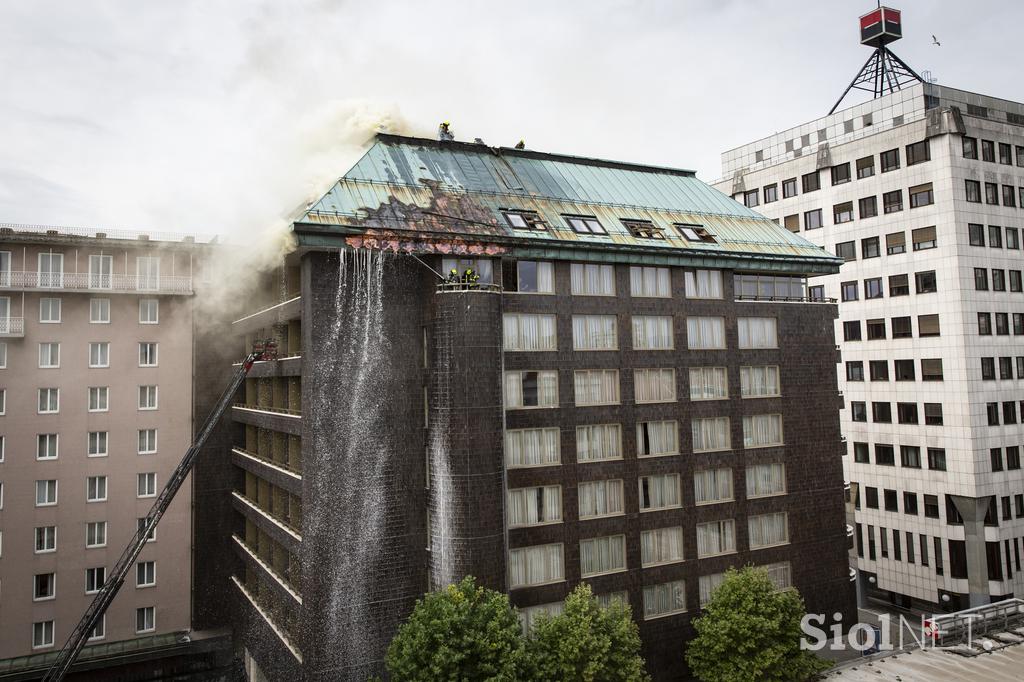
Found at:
(884, 72)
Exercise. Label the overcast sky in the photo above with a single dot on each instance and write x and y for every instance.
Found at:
(214, 116)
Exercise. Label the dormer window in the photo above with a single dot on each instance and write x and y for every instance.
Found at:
(643, 229)
(525, 220)
(695, 233)
(584, 224)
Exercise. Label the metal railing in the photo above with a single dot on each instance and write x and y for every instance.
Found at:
(469, 286)
(959, 627)
(86, 281)
(12, 326)
(785, 299)
(268, 408)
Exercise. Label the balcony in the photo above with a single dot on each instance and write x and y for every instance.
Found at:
(472, 287)
(275, 419)
(12, 327)
(84, 281)
(784, 299)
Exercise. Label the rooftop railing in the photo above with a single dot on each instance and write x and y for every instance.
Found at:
(85, 281)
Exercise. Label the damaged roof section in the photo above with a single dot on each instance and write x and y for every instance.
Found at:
(422, 186)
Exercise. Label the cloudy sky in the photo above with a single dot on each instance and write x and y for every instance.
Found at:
(216, 116)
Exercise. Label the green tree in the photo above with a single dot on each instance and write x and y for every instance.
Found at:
(586, 643)
(751, 631)
(464, 632)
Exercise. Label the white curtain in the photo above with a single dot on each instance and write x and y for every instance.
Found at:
(768, 529)
(757, 332)
(649, 282)
(594, 332)
(608, 598)
(589, 279)
(597, 387)
(781, 574)
(766, 479)
(602, 555)
(711, 433)
(535, 565)
(541, 272)
(652, 333)
(661, 545)
(704, 284)
(664, 598)
(546, 392)
(658, 492)
(532, 447)
(657, 438)
(598, 441)
(708, 585)
(531, 506)
(716, 537)
(530, 332)
(705, 332)
(761, 430)
(709, 383)
(756, 382)
(654, 385)
(600, 498)
(712, 485)
(529, 615)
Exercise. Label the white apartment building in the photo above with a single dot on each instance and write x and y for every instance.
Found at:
(922, 192)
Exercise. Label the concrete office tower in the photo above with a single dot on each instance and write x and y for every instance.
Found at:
(600, 406)
(920, 192)
(95, 412)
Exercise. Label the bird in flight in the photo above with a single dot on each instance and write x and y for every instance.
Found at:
(935, 41)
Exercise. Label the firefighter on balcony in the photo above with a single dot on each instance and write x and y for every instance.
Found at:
(470, 278)
(453, 276)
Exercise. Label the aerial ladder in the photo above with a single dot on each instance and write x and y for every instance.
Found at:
(266, 350)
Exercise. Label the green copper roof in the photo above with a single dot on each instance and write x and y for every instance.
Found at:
(418, 185)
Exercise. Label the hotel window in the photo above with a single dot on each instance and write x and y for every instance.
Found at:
(816, 293)
(842, 213)
(709, 383)
(535, 565)
(46, 493)
(854, 370)
(931, 369)
(594, 332)
(899, 285)
(659, 492)
(42, 634)
(49, 355)
(976, 234)
(841, 174)
(664, 599)
(147, 354)
(998, 282)
(49, 310)
(988, 369)
(145, 574)
(703, 283)
(851, 330)
(923, 238)
(980, 279)
(869, 248)
(146, 485)
(99, 398)
(147, 397)
(149, 311)
(649, 282)
(848, 291)
(534, 506)
(757, 332)
(765, 480)
(97, 444)
(918, 152)
(921, 195)
(881, 413)
(812, 219)
(868, 207)
(789, 188)
(792, 222)
(598, 442)
(750, 199)
(711, 486)
(145, 619)
(1002, 324)
(532, 447)
(99, 310)
(602, 555)
(95, 579)
(1006, 368)
(933, 414)
(768, 530)
(928, 325)
(710, 434)
(96, 489)
(925, 282)
(705, 333)
(535, 277)
(99, 354)
(873, 289)
(600, 498)
(780, 574)
(585, 224)
(973, 190)
(865, 167)
(528, 389)
(147, 269)
(525, 220)
(1013, 238)
(769, 287)
(876, 328)
(992, 193)
(906, 413)
(1009, 196)
(759, 381)
(858, 411)
(970, 147)
(590, 279)
(892, 202)
(596, 387)
(1005, 154)
(771, 193)
(96, 534)
(526, 332)
(46, 539)
(890, 160)
(652, 333)
(763, 430)
(147, 441)
(49, 401)
(810, 181)
(654, 439)
(708, 584)
(661, 546)
(716, 537)
(51, 270)
(847, 250)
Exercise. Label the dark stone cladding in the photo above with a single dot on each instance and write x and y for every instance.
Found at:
(812, 452)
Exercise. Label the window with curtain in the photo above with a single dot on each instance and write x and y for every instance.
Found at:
(704, 284)
(661, 546)
(649, 282)
(600, 498)
(527, 389)
(654, 385)
(591, 279)
(483, 267)
(716, 537)
(712, 485)
(766, 479)
(532, 447)
(705, 333)
(597, 442)
(652, 333)
(596, 387)
(781, 574)
(762, 430)
(707, 586)
(757, 332)
(535, 565)
(709, 383)
(767, 530)
(602, 555)
(710, 433)
(524, 332)
(535, 277)
(528, 615)
(534, 506)
(608, 598)
(664, 599)
(759, 382)
(657, 438)
(595, 332)
(659, 492)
